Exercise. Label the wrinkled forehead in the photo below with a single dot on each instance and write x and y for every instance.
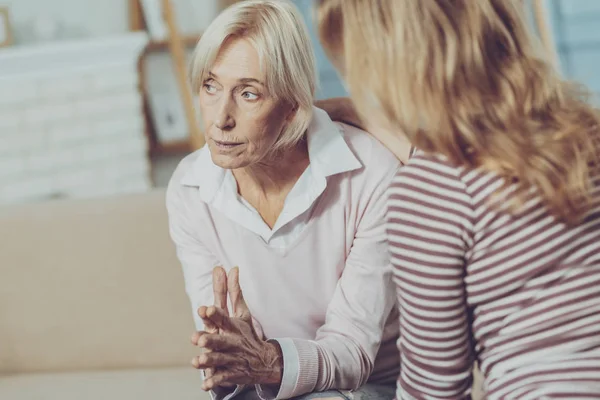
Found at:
(239, 58)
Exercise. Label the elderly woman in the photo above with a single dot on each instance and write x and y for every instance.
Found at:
(494, 224)
(293, 206)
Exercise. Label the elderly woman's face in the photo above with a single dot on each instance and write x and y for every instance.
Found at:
(241, 118)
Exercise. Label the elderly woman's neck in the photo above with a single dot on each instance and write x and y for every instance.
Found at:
(275, 175)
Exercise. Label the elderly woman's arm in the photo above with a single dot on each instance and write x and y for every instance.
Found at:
(196, 260)
(197, 263)
(343, 352)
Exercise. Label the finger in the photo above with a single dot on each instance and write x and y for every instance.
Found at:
(196, 364)
(218, 318)
(213, 360)
(220, 288)
(220, 378)
(209, 326)
(223, 385)
(216, 342)
(209, 372)
(240, 309)
(196, 337)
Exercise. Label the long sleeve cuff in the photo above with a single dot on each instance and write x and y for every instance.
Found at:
(226, 393)
(300, 370)
(222, 393)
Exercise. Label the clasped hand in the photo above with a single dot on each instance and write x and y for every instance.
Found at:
(234, 354)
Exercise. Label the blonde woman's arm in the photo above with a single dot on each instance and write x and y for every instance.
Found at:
(429, 232)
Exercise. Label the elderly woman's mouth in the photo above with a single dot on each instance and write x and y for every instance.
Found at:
(226, 145)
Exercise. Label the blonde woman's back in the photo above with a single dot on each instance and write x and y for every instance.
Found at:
(532, 286)
(464, 81)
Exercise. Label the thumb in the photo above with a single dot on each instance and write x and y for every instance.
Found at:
(218, 318)
(240, 308)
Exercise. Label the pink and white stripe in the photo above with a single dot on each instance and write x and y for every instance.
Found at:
(518, 292)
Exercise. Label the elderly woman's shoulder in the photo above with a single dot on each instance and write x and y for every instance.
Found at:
(186, 164)
(368, 150)
(184, 170)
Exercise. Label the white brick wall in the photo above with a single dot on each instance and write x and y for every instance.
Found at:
(72, 129)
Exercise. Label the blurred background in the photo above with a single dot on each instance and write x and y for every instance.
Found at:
(91, 91)
(95, 114)
(91, 101)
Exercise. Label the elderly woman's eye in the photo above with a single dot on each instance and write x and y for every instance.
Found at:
(249, 96)
(209, 88)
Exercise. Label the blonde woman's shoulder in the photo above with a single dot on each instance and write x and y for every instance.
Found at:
(369, 151)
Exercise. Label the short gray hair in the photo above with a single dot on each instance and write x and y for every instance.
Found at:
(280, 36)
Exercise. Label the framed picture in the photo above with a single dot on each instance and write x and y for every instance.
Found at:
(5, 33)
(192, 16)
(155, 24)
(169, 125)
(174, 27)
(166, 106)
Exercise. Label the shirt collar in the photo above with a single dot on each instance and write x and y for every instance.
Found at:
(328, 152)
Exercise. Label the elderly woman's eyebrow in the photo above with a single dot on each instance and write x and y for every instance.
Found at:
(241, 80)
(250, 80)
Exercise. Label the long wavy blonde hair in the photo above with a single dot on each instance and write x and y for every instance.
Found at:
(464, 78)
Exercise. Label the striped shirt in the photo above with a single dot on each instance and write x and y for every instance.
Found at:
(518, 292)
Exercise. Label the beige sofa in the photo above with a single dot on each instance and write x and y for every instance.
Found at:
(92, 303)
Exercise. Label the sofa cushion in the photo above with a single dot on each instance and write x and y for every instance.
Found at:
(150, 384)
(91, 284)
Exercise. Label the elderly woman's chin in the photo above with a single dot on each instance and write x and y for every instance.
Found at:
(228, 157)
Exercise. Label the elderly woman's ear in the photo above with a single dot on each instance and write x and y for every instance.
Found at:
(292, 113)
(341, 109)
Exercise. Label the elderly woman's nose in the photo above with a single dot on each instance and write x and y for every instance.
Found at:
(223, 115)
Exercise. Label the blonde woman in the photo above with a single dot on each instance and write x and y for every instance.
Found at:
(292, 206)
(494, 223)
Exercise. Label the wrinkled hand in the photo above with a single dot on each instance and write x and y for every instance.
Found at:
(219, 278)
(235, 354)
